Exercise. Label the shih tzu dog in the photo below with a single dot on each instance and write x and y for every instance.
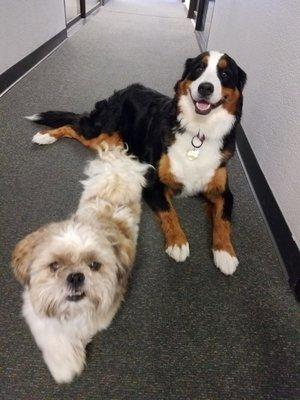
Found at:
(75, 272)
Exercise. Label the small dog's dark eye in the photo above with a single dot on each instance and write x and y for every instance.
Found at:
(95, 265)
(54, 266)
(224, 75)
(201, 68)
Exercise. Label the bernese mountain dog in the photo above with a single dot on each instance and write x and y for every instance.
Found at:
(188, 139)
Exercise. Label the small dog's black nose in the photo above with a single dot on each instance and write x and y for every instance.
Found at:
(76, 279)
(205, 89)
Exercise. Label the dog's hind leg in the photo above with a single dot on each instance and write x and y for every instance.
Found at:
(49, 136)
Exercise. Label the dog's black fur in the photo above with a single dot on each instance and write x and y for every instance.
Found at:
(148, 121)
(145, 118)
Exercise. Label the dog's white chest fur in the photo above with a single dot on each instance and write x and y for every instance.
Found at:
(194, 174)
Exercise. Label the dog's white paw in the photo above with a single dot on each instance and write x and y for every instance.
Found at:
(63, 374)
(179, 252)
(43, 138)
(225, 262)
(65, 366)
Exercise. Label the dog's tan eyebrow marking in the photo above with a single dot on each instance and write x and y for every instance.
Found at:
(66, 259)
(89, 256)
(223, 63)
(205, 57)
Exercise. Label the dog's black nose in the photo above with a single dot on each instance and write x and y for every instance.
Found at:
(205, 89)
(76, 279)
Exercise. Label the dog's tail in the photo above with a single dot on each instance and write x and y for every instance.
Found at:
(56, 119)
(88, 125)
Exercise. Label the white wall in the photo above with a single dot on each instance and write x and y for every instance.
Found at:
(25, 25)
(263, 36)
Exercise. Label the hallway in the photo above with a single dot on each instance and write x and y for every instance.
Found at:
(185, 331)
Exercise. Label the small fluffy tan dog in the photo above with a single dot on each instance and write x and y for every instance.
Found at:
(75, 272)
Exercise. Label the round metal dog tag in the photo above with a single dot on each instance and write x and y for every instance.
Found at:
(192, 154)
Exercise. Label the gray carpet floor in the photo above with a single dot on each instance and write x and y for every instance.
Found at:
(185, 330)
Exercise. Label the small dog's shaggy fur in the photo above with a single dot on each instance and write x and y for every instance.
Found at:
(75, 272)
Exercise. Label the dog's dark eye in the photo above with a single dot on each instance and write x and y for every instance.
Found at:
(54, 266)
(95, 265)
(201, 68)
(224, 75)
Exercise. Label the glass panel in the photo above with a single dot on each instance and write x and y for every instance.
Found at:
(208, 19)
(72, 9)
(203, 22)
(90, 4)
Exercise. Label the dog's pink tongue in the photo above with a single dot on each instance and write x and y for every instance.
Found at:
(202, 105)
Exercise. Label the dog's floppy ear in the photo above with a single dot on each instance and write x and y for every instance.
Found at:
(187, 67)
(242, 79)
(23, 254)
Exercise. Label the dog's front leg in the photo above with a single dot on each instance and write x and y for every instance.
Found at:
(63, 353)
(177, 246)
(220, 202)
(159, 199)
(64, 358)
